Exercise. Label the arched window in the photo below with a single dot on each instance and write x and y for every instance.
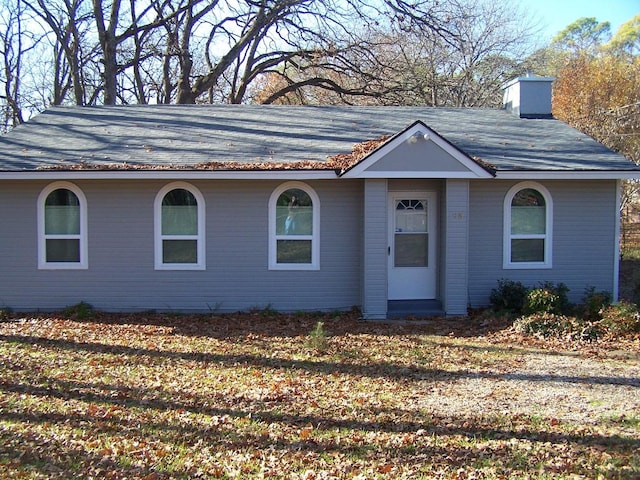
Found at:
(62, 227)
(179, 228)
(528, 225)
(294, 228)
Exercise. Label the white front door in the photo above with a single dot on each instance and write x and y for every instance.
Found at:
(412, 245)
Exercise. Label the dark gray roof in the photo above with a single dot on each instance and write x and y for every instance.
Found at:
(195, 134)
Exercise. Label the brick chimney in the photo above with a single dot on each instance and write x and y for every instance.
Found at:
(528, 97)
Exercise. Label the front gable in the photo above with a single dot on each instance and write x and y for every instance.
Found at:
(417, 152)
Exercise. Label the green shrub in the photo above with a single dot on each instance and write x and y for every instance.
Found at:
(79, 311)
(622, 318)
(509, 295)
(548, 298)
(267, 311)
(541, 300)
(594, 302)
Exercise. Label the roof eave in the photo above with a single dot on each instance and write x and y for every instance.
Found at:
(305, 174)
(568, 174)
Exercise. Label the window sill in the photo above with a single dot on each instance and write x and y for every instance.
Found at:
(180, 266)
(527, 266)
(294, 267)
(63, 266)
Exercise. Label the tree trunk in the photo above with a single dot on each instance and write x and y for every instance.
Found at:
(108, 42)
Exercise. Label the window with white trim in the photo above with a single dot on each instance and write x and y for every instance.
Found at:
(179, 228)
(528, 221)
(62, 227)
(294, 228)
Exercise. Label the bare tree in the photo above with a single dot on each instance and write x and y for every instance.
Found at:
(307, 51)
(14, 44)
(243, 30)
(466, 67)
(108, 16)
(438, 54)
(68, 21)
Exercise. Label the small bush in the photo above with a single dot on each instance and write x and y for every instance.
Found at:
(79, 311)
(541, 300)
(620, 319)
(594, 302)
(548, 298)
(318, 340)
(509, 296)
(266, 312)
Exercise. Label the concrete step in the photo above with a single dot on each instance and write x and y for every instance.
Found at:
(414, 308)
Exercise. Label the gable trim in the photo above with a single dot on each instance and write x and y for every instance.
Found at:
(418, 174)
(418, 131)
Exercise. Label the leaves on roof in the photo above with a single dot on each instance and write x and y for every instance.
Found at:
(340, 162)
(343, 162)
(486, 165)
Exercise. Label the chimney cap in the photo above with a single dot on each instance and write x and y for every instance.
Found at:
(528, 78)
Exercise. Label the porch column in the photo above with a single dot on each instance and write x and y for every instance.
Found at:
(456, 247)
(374, 281)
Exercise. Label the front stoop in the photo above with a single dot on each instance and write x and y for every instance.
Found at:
(401, 309)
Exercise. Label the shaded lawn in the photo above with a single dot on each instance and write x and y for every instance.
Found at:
(245, 396)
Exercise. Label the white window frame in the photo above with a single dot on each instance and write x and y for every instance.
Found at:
(547, 236)
(314, 237)
(43, 264)
(159, 237)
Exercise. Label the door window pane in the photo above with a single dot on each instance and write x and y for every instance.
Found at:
(411, 250)
(411, 238)
(411, 216)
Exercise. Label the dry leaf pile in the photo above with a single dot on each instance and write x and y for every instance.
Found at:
(340, 163)
(153, 396)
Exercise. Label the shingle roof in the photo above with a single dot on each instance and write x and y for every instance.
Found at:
(188, 135)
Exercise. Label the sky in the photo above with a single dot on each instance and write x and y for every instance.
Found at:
(555, 15)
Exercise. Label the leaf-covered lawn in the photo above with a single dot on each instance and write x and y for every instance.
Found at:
(247, 396)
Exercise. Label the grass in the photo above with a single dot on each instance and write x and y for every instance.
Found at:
(153, 397)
